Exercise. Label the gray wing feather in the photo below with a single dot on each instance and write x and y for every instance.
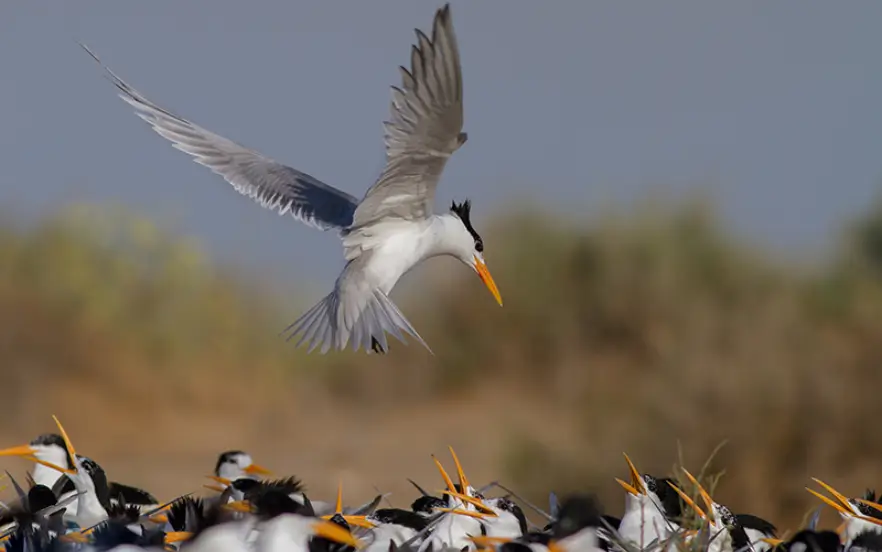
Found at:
(272, 184)
(424, 129)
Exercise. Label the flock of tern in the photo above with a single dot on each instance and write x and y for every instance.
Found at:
(71, 505)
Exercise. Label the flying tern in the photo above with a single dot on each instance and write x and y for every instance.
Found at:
(392, 228)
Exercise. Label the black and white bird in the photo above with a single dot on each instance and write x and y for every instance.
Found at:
(861, 517)
(49, 452)
(392, 228)
(652, 508)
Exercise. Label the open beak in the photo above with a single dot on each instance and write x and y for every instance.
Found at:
(484, 274)
(463, 482)
(23, 451)
(461, 512)
(68, 445)
(333, 532)
(473, 501)
(636, 487)
(689, 502)
(708, 501)
(254, 469)
(447, 481)
(844, 507)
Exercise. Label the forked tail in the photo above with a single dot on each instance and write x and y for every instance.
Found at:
(318, 327)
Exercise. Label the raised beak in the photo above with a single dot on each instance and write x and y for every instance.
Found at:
(484, 274)
(463, 482)
(845, 508)
(832, 504)
(333, 532)
(708, 501)
(447, 481)
(254, 469)
(689, 501)
(159, 518)
(473, 501)
(636, 487)
(461, 512)
(70, 450)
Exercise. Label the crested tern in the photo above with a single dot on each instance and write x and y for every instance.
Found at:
(392, 228)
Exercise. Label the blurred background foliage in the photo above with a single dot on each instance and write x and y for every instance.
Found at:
(647, 330)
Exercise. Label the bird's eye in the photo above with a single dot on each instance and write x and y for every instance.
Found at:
(479, 246)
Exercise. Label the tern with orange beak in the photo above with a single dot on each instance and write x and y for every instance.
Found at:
(860, 516)
(650, 508)
(392, 228)
(728, 531)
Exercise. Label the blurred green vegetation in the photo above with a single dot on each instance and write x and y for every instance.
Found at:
(636, 332)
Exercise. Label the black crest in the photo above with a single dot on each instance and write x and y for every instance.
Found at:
(463, 211)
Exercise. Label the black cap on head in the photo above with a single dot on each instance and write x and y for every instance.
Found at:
(463, 211)
(226, 457)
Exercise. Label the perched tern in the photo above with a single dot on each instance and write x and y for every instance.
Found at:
(860, 516)
(651, 508)
(392, 228)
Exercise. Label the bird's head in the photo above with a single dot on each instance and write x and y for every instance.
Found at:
(469, 247)
(236, 464)
(49, 447)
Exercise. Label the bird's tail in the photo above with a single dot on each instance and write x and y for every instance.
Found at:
(318, 327)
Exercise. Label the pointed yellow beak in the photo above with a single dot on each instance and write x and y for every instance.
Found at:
(636, 487)
(844, 507)
(686, 498)
(23, 450)
(708, 501)
(485, 276)
(254, 469)
(467, 513)
(447, 481)
(463, 481)
(221, 480)
(473, 501)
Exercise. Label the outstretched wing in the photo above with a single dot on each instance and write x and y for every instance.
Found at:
(272, 184)
(424, 130)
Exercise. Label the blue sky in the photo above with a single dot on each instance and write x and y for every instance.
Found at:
(772, 108)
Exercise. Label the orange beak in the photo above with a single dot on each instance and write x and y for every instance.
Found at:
(485, 276)
(254, 469)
